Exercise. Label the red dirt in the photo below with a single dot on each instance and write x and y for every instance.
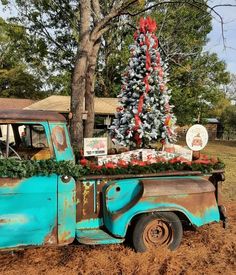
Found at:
(209, 250)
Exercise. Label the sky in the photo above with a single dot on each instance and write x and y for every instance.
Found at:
(225, 52)
(215, 44)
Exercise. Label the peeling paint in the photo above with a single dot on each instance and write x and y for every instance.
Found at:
(9, 182)
(59, 138)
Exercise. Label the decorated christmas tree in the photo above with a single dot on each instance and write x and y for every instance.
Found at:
(145, 114)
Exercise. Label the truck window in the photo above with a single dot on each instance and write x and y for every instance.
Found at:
(24, 141)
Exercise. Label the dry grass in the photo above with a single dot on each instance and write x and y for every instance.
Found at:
(226, 151)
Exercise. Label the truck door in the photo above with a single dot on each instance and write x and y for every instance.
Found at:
(66, 185)
(28, 206)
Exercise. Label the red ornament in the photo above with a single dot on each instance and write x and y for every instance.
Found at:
(83, 162)
(163, 142)
(122, 163)
(119, 109)
(110, 165)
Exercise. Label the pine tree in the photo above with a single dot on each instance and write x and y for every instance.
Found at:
(145, 114)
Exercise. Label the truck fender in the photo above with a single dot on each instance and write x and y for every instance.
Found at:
(192, 196)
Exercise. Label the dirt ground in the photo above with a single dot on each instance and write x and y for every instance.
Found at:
(208, 250)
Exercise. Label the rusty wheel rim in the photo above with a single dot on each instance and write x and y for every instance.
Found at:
(157, 233)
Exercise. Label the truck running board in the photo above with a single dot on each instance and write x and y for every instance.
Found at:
(96, 236)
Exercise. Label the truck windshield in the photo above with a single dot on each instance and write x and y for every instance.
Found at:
(24, 141)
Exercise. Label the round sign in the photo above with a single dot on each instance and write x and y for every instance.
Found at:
(197, 137)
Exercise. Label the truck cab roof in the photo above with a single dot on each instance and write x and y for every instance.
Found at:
(30, 115)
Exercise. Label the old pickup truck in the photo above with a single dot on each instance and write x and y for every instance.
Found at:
(56, 209)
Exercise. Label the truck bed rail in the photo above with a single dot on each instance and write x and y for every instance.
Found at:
(159, 174)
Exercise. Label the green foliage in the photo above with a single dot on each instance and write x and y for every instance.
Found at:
(24, 169)
(219, 108)
(197, 86)
(16, 79)
(231, 88)
(228, 119)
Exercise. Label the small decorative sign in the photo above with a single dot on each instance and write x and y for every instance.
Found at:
(149, 155)
(197, 137)
(179, 151)
(95, 147)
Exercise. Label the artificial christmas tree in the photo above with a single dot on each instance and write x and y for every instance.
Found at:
(145, 113)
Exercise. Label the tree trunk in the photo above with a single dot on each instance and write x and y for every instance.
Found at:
(89, 91)
(77, 101)
(79, 74)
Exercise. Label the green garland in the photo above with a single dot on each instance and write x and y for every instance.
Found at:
(27, 168)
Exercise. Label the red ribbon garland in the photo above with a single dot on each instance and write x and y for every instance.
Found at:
(145, 25)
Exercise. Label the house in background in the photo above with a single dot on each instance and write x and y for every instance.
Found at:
(13, 104)
(213, 126)
(104, 108)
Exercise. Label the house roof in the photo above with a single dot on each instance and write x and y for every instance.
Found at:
(213, 120)
(15, 103)
(29, 115)
(61, 104)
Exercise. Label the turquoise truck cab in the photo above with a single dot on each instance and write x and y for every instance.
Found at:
(56, 209)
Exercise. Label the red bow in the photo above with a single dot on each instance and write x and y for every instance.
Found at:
(147, 25)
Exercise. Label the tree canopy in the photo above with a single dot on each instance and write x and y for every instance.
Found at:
(16, 78)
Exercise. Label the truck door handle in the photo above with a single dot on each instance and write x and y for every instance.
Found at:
(65, 179)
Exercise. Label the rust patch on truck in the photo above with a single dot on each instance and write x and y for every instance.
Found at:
(65, 238)
(197, 204)
(89, 199)
(196, 195)
(51, 238)
(9, 182)
(59, 138)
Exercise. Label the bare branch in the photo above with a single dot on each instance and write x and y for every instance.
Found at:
(195, 4)
(115, 11)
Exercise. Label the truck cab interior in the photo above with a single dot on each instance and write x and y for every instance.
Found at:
(24, 142)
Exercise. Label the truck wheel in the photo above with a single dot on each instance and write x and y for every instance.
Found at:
(162, 229)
